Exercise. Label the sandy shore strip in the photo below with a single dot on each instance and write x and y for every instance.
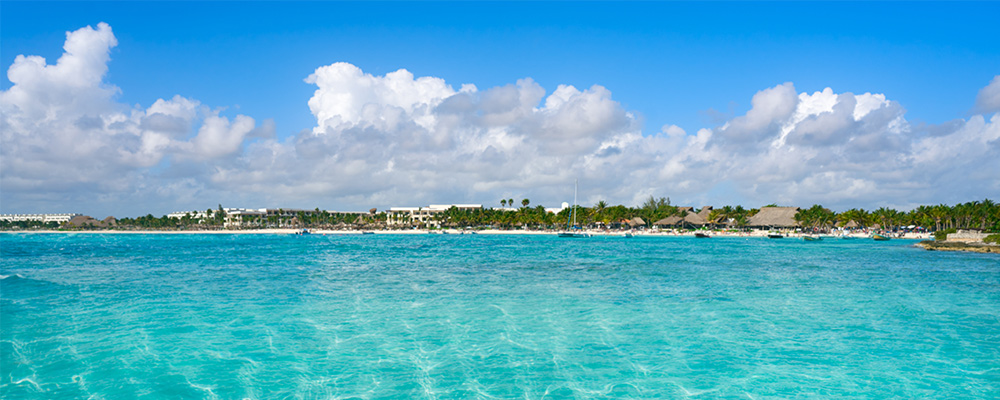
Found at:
(911, 235)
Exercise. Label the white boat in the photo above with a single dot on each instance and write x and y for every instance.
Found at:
(571, 227)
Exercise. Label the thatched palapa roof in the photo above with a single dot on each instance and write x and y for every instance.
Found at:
(776, 217)
(672, 220)
(699, 219)
(705, 211)
(636, 222)
(83, 220)
(690, 218)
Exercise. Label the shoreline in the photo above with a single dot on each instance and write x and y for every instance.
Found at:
(288, 231)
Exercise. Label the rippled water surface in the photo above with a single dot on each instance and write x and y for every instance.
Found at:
(483, 316)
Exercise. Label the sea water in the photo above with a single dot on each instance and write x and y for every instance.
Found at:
(121, 316)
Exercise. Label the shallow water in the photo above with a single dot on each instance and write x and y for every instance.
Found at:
(483, 316)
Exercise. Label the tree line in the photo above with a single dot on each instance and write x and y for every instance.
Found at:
(983, 215)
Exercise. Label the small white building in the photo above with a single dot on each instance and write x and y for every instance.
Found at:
(195, 215)
(424, 215)
(44, 218)
(242, 216)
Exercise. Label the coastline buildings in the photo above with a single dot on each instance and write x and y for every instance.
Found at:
(689, 218)
(424, 215)
(259, 217)
(44, 218)
(194, 215)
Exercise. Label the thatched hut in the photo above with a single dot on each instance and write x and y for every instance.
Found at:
(672, 221)
(636, 222)
(689, 219)
(697, 219)
(81, 221)
(705, 212)
(774, 217)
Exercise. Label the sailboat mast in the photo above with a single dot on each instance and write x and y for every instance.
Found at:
(576, 188)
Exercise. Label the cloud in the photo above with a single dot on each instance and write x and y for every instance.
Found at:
(398, 139)
(988, 100)
(67, 143)
(406, 140)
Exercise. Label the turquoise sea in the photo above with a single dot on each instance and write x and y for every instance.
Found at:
(114, 316)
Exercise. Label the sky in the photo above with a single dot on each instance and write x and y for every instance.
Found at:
(129, 108)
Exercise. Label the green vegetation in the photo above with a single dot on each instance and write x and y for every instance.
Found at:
(18, 225)
(816, 217)
(982, 215)
(992, 239)
(943, 234)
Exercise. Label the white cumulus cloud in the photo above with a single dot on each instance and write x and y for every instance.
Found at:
(399, 139)
(988, 100)
(68, 144)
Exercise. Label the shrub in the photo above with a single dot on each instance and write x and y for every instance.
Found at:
(943, 235)
(994, 238)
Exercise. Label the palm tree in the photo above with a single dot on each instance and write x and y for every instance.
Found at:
(503, 203)
(597, 213)
(525, 203)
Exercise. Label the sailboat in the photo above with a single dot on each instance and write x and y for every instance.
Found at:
(569, 227)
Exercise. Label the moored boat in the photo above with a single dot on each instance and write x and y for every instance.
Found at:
(876, 236)
(811, 238)
(775, 236)
(701, 235)
(571, 222)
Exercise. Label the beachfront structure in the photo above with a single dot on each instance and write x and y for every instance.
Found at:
(774, 218)
(195, 215)
(257, 217)
(44, 218)
(424, 215)
(557, 210)
(276, 217)
(636, 222)
(690, 219)
(86, 221)
(238, 217)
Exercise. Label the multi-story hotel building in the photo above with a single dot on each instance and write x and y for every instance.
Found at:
(424, 215)
(45, 218)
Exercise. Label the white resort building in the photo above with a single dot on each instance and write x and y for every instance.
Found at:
(244, 217)
(44, 218)
(424, 215)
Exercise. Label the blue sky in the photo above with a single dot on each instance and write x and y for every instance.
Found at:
(691, 65)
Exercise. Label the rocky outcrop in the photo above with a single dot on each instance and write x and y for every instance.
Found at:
(975, 247)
